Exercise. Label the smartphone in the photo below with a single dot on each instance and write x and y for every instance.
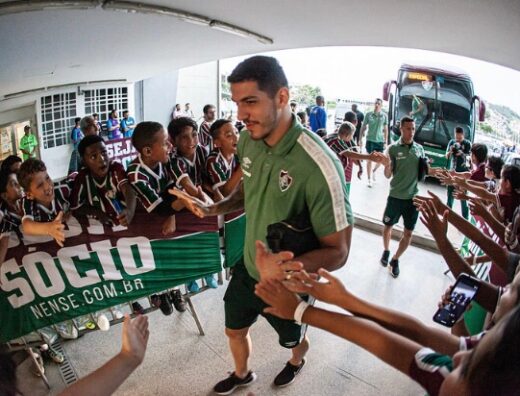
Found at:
(462, 294)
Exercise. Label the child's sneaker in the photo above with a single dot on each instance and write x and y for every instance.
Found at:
(103, 322)
(193, 287)
(67, 330)
(165, 305)
(177, 300)
(137, 308)
(117, 314)
(211, 281)
(56, 357)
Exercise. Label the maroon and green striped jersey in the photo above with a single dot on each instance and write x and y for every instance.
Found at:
(182, 167)
(218, 169)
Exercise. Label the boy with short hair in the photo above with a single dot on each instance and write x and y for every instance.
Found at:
(149, 173)
(42, 209)
(150, 176)
(187, 165)
(101, 187)
(222, 166)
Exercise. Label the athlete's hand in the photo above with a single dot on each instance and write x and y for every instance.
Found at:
(276, 266)
(282, 302)
(196, 206)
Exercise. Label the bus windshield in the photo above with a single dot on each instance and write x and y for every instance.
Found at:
(437, 104)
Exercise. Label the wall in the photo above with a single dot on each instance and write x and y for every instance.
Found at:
(157, 95)
(198, 86)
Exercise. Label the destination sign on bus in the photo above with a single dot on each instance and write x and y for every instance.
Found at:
(419, 76)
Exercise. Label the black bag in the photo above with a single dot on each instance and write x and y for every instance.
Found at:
(295, 235)
(423, 168)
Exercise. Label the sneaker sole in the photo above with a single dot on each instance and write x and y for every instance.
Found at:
(383, 263)
(238, 386)
(391, 273)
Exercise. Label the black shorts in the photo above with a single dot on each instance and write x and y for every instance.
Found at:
(242, 307)
(395, 208)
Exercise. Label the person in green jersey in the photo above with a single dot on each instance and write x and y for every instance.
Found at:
(28, 144)
(402, 165)
(287, 170)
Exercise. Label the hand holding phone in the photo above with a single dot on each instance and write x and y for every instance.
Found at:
(463, 292)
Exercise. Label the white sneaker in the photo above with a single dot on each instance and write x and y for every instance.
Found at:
(369, 183)
(374, 177)
(116, 313)
(103, 323)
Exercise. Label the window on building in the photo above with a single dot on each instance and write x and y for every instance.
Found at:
(58, 113)
(103, 100)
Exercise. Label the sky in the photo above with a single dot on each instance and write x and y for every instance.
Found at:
(360, 72)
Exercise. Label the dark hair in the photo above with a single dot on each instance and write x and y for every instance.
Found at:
(8, 376)
(405, 119)
(4, 177)
(27, 127)
(320, 97)
(480, 151)
(354, 106)
(264, 70)
(88, 141)
(206, 108)
(322, 132)
(28, 169)
(77, 119)
(350, 116)
(495, 163)
(9, 162)
(459, 129)
(125, 112)
(301, 115)
(511, 173)
(497, 371)
(214, 130)
(95, 115)
(176, 126)
(144, 134)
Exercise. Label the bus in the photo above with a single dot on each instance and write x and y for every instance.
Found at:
(438, 98)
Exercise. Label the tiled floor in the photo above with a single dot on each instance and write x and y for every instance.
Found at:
(180, 362)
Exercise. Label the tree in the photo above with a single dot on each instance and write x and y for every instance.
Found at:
(304, 95)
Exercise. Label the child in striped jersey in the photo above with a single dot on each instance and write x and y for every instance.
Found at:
(187, 165)
(341, 144)
(42, 208)
(149, 174)
(10, 209)
(101, 188)
(222, 167)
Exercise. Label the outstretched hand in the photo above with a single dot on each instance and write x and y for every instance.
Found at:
(430, 218)
(332, 291)
(56, 229)
(196, 206)
(282, 302)
(274, 265)
(135, 339)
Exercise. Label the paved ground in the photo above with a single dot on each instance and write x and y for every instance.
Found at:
(180, 362)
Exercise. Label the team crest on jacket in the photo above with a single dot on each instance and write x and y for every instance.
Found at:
(285, 180)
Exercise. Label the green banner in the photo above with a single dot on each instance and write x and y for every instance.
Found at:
(42, 284)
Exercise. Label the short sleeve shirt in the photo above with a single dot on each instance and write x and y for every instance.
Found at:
(405, 169)
(218, 169)
(429, 369)
(318, 118)
(116, 133)
(458, 163)
(205, 138)
(11, 220)
(33, 210)
(28, 143)
(128, 123)
(148, 183)
(76, 135)
(339, 146)
(105, 195)
(182, 167)
(299, 173)
(376, 123)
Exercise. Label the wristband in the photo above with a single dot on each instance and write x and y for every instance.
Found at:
(298, 312)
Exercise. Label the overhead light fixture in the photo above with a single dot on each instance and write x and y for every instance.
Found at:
(196, 19)
(14, 7)
(238, 31)
(129, 6)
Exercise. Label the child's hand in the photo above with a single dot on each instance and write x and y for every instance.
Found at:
(169, 226)
(282, 302)
(360, 172)
(55, 229)
(124, 218)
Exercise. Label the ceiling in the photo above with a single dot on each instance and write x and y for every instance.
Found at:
(61, 46)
